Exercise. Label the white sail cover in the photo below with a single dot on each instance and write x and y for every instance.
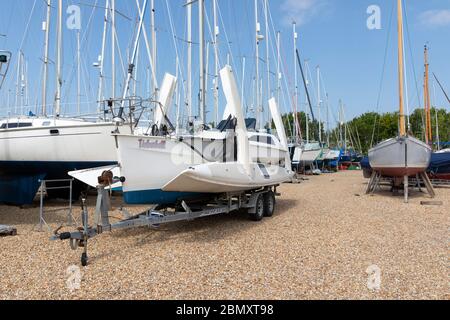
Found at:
(234, 103)
(165, 98)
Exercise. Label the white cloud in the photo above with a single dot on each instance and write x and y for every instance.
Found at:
(435, 18)
(300, 11)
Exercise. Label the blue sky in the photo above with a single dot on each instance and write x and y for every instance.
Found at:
(332, 34)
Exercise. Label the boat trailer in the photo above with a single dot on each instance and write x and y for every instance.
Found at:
(258, 203)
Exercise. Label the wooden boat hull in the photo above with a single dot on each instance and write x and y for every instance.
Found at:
(399, 157)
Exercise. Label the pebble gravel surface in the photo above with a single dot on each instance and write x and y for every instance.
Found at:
(327, 240)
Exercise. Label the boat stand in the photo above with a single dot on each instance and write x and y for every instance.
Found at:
(376, 179)
(42, 190)
(374, 182)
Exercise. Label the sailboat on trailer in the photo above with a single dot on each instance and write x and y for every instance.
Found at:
(240, 175)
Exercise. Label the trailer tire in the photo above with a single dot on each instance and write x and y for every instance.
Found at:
(269, 204)
(259, 209)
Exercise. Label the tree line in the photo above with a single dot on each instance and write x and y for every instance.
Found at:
(368, 129)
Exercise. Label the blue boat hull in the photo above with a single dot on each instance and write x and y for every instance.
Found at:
(20, 180)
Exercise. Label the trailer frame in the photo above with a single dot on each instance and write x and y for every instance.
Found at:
(258, 203)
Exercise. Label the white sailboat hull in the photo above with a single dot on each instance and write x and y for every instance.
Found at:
(65, 141)
(227, 177)
(149, 163)
(57, 147)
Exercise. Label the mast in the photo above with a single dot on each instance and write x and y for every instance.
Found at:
(341, 124)
(189, 67)
(113, 48)
(46, 49)
(428, 131)
(102, 61)
(328, 121)
(319, 104)
(216, 64)
(154, 46)
(436, 112)
(18, 82)
(258, 38)
(202, 93)
(207, 73)
(243, 80)
(58, 62)
(266, 16)
(178, 96)
(438, 138)
(400, 68)
(345, 127)
(78, 73)
(294, 26)
(306, 104)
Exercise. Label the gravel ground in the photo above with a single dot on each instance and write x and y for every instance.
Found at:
(322, 243)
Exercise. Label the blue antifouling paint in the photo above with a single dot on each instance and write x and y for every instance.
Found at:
(157, 197)
(19, 190)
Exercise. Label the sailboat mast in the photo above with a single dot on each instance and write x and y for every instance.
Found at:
(428, 131)
(189, 58)
(295, 35)
(401, 68)
(341, 124)
(328, 121)
(319, 104)
(425, 105)
(78, 73)
(266, 16)
(438, 138)
(46, 49)
(113, 48)
(58, 61)
(202, 93)
(258, 38)
(345, 128)
(306, 104)
(207, 73)
(216, 64)
(436, 114)
(18, 82)
(102, 62)
(154, 46)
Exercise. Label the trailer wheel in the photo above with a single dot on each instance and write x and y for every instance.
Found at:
(259, 209)
(269, 204)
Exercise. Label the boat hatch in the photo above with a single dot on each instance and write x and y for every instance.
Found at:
(3, 58)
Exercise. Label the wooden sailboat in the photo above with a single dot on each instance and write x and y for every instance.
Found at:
(404, 155)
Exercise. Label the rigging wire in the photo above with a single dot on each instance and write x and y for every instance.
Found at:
(382, 74)
(172, 27)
